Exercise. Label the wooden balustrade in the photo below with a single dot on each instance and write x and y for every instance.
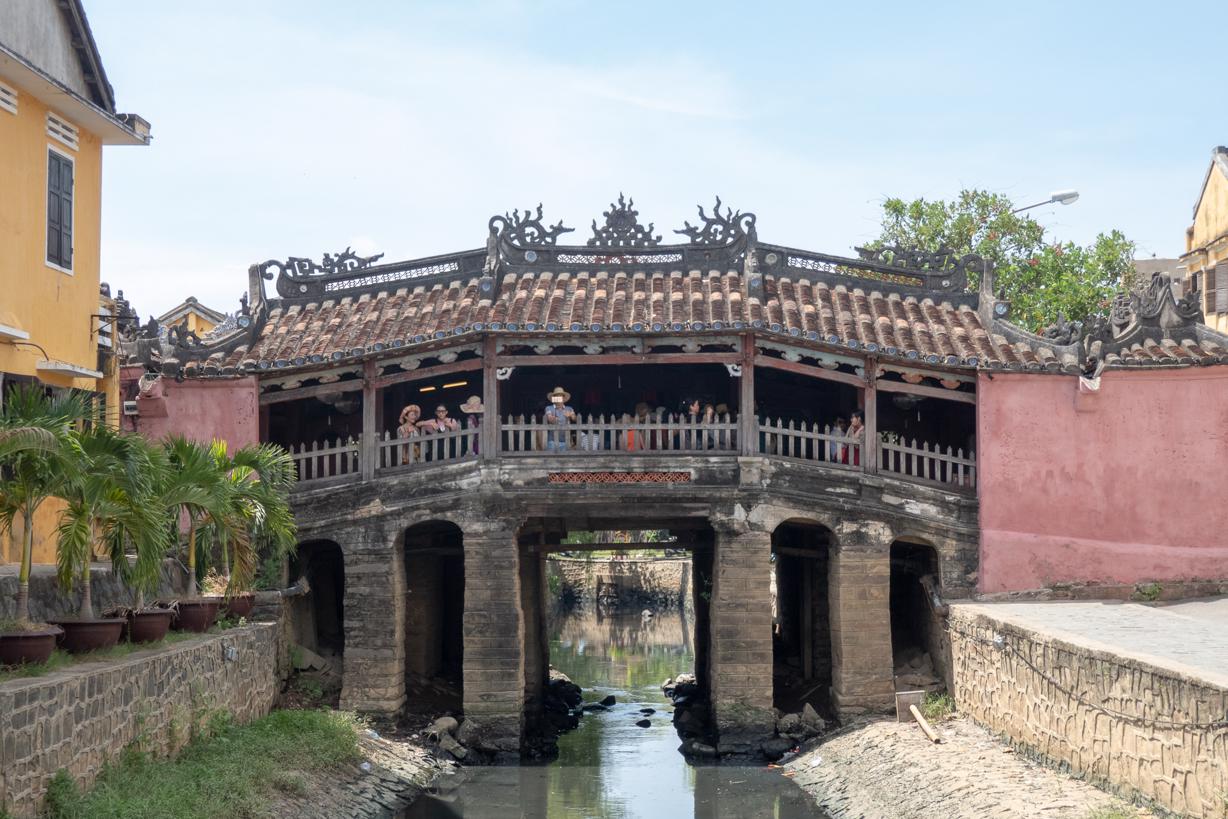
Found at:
(928, 463)
(521, 435)
(799, 441)
(318, 461)
(425, 448)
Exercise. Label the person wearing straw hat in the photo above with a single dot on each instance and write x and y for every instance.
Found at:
(472, 409)
(560, 414)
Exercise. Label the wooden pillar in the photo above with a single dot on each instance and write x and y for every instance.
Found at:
(748, 424)
(369, 445)
(488, 447)
(869, 455)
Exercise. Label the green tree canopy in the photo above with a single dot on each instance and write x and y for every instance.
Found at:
(1041, 277)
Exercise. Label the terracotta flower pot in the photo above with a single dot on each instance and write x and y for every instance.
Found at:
(21, 647)
(81, 636)
(148, 626)
(240, 605)
(195, 615)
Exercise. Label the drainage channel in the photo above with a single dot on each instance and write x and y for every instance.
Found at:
(611, 767)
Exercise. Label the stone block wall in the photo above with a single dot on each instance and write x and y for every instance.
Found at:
(741, 623)
(48, 600)
(860, 607)
(86, 715)
(665, 581)
(1132, 742)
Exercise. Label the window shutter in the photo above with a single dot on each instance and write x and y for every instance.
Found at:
(1208, 295)
(59, 210)
(1221, 287)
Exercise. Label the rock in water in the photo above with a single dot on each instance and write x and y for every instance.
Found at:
(452, 746)
(644, 723)
(608, 701)
(811, 718)
(648, 711)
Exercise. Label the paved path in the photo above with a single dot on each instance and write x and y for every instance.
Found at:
(888, 770)
(1190, 637)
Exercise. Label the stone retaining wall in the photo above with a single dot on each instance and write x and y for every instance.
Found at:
(666, 581)
(86, 715)
(48, 600)
(1131, 750)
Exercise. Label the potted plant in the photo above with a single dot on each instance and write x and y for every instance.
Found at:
(206, 498)
(258, 480)
(34, 436)
(107, 492)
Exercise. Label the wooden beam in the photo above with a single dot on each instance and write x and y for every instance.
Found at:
(616, 359)
(468, 365)
(928, 392)
(335, 388)
(809, 370)
(869, 455)
(488, 442)
(367, 451)
(748, 423)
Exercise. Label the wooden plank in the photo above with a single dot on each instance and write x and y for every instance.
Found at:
(468, 365)
(335, 388)
(869, 457)
(488, 442)
(809, 370)
(366, 458)
(928, 392)
(748, 424)
(604, 359)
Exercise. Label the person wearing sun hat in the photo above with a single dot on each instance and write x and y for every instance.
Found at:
(560, 414)
(472, 409)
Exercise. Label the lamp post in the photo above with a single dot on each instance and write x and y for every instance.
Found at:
(1060, 197)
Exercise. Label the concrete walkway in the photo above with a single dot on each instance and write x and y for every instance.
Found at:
(1190, 637)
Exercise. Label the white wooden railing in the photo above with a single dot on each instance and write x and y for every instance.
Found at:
(520, 435)
(800, 441)
(928, 463)
(921, 462)
(425, 448)
(318, 461)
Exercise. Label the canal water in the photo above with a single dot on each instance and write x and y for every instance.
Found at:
(609, 768)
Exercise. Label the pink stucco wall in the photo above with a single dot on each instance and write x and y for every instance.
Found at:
(1123, 485)
(222, 409)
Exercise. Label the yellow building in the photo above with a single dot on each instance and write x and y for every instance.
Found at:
(1206, 242)
(57, 111)
(199, 318)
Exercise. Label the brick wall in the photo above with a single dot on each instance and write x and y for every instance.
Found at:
(1183, 770)
(86, 715)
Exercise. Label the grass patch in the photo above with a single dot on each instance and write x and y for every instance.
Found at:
(61, 659)
(1113, 812)
(234, 773)
(938, 707)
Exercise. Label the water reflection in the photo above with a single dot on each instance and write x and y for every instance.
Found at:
(609, 768)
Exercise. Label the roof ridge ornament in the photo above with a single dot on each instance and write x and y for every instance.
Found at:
(622, 228)
(523, 230)
(719, 229)
(1149, 312)
(942, 260)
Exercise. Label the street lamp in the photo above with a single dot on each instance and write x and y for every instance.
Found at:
(1060, 197)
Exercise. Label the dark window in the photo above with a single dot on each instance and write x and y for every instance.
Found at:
(59, 210)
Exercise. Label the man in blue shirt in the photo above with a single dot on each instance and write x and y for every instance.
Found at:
(560, 414)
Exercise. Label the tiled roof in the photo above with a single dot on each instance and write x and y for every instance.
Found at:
(857, 316)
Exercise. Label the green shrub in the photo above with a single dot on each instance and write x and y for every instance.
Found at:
(938, 707)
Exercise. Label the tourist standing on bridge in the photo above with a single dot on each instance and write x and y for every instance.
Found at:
(407, 427)
(473, 409)
(856, 436)
(560, 414)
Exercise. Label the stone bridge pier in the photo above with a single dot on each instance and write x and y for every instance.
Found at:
(459, 592)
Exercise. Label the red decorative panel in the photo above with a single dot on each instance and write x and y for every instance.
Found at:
(620, 477)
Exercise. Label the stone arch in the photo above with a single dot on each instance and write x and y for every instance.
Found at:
(318, 618)
(771, 516)
(918, 638)
(802, 549)
(434, 566)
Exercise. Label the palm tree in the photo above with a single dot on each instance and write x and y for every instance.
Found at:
(36, 431)
(107, 487)
(205, 496)
(259, 478)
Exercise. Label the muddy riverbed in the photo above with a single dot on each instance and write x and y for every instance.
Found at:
(610, 768)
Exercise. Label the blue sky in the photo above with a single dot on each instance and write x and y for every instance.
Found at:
(296, 128)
